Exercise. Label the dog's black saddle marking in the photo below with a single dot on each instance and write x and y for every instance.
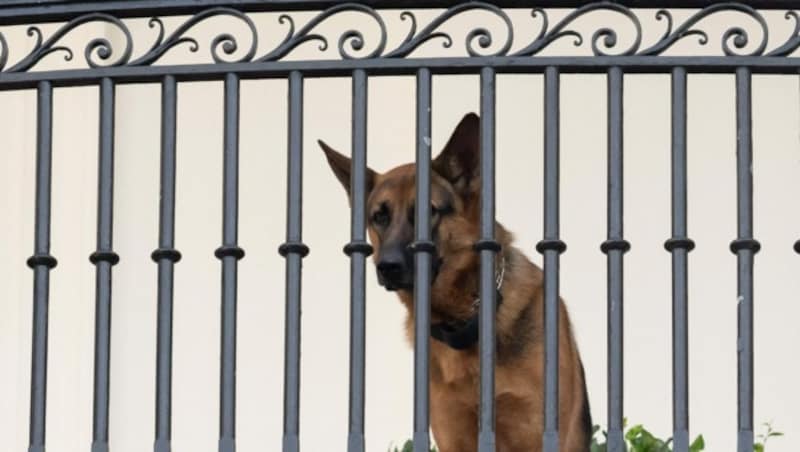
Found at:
(461, 334)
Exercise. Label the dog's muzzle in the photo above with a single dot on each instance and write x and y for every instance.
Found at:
(395, 269)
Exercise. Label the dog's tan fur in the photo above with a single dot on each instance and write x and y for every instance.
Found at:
(455, 376)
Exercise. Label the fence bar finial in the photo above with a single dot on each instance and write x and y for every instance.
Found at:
(41, 262)
(488, 247)
(614, 247)
(166, 256)
(103, 258)
(293, 250)
(358, 249)
(551, 247)
(745, 247)
(679, 245)
(229, 253)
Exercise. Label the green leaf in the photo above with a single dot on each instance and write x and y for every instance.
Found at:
(634, 432)
(598, 447)
(758, 447)
(642, 440)
(698, 444)
(408, 446)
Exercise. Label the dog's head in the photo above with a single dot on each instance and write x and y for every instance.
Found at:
(391, 199)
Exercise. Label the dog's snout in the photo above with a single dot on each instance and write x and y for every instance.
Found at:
(394, 268)
(390, 270)
(392, 264)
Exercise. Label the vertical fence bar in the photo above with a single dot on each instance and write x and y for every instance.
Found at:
(166, 256)
(424, 249)
(103, 258)
(679, 245)
(293, 250)
(41, 262)
(358, 249)
(614, 247)
(745, 247)
(229, 253)
(488, 247)
(551, 247)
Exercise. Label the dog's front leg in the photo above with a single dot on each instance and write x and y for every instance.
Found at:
(453, 422)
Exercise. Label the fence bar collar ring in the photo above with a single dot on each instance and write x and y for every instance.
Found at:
(229, 251)
(293, 247)
(358, 247)
(104, 256)
(42, 259)
(170, 254)
(746, 244)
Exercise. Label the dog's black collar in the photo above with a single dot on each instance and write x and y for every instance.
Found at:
(463, 334)
(460, 335)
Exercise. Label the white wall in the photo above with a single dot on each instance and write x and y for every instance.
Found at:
(712, 215)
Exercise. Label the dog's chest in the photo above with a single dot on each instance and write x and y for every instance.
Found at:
(454, 369)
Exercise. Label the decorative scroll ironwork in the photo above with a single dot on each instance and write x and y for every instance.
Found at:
(608, 35)
(3, 51)
(603, 41)
(483, 36)
(794, 40)
(354, 37)
(226, 40)
(100, 46)
(736, 34)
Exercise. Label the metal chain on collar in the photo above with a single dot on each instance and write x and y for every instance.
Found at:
(499, 277)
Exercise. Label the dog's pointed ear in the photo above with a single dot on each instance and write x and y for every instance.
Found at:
(341, 168)
(459, 160)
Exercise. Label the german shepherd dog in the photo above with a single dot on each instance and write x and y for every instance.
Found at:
(454, 365)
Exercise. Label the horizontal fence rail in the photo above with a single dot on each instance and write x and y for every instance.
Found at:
(135, 59)
(612, 50)
(383, 67)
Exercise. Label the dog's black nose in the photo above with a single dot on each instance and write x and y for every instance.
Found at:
(393, 269)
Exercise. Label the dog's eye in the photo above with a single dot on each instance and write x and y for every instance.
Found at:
(435, 211)
(443, 210)
(381, 217)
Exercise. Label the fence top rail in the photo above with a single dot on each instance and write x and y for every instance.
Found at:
(22, 12)
(134, 58)
(382, 67)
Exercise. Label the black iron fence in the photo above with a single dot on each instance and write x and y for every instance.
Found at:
(109, 65)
